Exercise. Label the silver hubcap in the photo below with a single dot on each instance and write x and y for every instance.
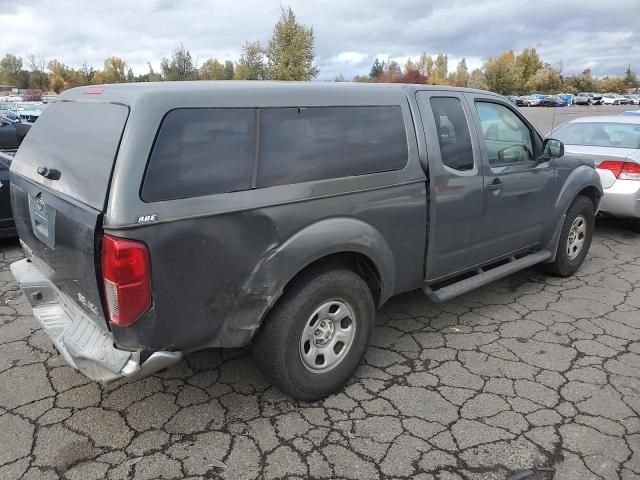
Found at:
(577, 234)
(327, 336)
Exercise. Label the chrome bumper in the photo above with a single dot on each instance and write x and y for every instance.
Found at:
(84, 344)
(622, 199)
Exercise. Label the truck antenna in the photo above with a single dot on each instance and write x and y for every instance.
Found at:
(553, 120)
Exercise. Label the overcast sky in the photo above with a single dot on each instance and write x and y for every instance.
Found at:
(602, 35)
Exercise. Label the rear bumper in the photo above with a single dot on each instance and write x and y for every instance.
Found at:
(622, 199)
(84, 344)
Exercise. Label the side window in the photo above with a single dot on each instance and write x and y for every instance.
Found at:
(201, 152)
(316, 143)
(507, 139)
(453, 133)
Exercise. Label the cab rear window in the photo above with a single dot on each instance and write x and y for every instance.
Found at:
(205, 151)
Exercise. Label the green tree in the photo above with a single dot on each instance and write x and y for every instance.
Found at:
(477, 79)
(130, 76)
(229, 70)
(462, 74)
(502, 74)
(10, 67)
(212, 69)
(630, 78)
(290, 51)
(376, 69)
(86, 73)
(528, 63)
(179, 66)
(251, 65)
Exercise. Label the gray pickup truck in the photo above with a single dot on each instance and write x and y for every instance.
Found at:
(160, 219)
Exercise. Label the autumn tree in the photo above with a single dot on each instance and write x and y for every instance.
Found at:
(290, 51)
(425, 64)
(583, 82)
(545, 80)
(251, 65)
(62, 77)
(502, 74)
(477, 79)
(38, 78)
(179, 66)
(10, 68)
(114, 71)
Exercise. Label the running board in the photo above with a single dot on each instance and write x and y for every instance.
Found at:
(484, 277)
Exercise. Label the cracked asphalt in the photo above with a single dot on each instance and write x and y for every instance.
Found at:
(532, 371)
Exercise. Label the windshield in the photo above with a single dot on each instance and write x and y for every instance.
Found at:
(31, 107)
(619, 135)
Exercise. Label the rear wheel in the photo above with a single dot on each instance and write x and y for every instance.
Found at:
(316, 336)
(575, 238)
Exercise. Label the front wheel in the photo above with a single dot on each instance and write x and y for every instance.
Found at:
(316, 336)
(575, 238)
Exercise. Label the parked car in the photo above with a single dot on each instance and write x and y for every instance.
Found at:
(632, 99)
(613, 99)
(7, 226)
(11, 134)
(530, 101)
(553, 101)
(164, 218)
(588, 98)
(513, 99)
(613, 143)
(25, 111)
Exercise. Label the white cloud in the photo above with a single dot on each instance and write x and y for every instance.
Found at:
(349, 35)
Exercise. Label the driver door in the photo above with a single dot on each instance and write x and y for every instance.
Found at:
(519, 191)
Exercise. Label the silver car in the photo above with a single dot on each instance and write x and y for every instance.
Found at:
(613, 142)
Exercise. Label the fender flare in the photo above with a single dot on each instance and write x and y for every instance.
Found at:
(582, 177)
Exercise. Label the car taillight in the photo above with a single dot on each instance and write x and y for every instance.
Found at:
(630, 171)
(622, 170)
(127, 279)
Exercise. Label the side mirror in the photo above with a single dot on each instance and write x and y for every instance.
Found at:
(552, 148)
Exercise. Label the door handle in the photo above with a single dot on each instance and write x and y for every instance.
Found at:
(497, 184)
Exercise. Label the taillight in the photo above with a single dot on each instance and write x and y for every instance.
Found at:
(630, 171)
(127, 279)
(622, 170)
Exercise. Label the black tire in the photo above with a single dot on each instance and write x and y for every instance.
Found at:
(564, 264)
(278, 346)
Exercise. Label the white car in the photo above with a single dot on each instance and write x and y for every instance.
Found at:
(633, 99)
(610, 99)
(613, 143)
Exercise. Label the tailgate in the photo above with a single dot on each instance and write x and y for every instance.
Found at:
(59, 218)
